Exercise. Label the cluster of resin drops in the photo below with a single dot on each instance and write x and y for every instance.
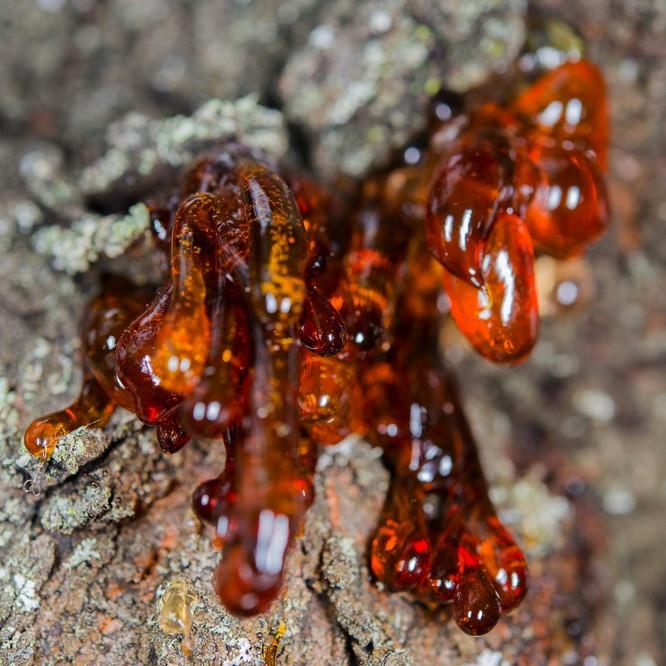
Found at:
(288, 321)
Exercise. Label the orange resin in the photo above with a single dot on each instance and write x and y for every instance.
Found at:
(287, 320)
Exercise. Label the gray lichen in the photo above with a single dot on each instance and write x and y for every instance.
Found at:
(71, 453)
(476, 37)
(65, 514)
(138, 144)
(75, 248)
(9, 417)
(24, 569)
(84, 552)
(361, 84)
(43, 171)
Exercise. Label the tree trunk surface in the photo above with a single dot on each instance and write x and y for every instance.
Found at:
(572, 440)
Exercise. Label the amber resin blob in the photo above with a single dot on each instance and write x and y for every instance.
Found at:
(288, 319)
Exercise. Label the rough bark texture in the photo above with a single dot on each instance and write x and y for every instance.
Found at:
(572, 440)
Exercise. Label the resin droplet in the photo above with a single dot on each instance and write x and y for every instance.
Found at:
(170, 433)
(462, 205)
(569, 103)
(476, 607)
(441, 584)
(212, 498)
(505, 564)
(134, 362)
(181, 345)
(569, 208)
(323, 330)
(325, 396)
(270, 651)
(500, 319)
(243, 586)
(399, 556)
(175, 610)
(91, 408)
